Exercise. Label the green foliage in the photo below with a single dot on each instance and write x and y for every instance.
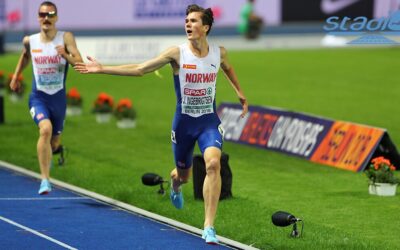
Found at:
(357, 85)
(125, 113)
(102, 108)
(77, 102)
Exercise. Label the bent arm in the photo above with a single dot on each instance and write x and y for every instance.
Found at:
(233, 80)
(71, 54)
(23, 61)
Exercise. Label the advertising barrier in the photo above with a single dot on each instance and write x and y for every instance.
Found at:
(339, 144)
(21, 15)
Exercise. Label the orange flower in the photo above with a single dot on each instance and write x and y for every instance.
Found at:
(104, 98)
(73, 93)
(125, 110)
(103, 104)
(124, 103)
(380, 162)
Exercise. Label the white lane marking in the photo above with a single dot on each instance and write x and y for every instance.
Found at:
(43, 198)
(37, 233)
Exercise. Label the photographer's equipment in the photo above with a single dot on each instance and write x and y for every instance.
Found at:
(151, 179)
(199, 173)
(284, 219)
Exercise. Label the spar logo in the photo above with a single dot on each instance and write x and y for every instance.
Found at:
(195, 92)
(373, 31)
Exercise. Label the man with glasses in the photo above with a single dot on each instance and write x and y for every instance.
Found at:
(51, 52)
(195, 67)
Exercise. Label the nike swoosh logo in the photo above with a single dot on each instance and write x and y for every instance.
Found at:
(331, 6)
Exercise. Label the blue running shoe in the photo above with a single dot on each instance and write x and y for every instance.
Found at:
(176, 198)
(45, 187)
(209, 236)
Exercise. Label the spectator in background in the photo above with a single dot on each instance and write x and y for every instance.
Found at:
(195, 67)
(250, 24)
(51, 52)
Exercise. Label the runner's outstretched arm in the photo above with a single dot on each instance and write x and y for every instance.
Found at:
(129, 69)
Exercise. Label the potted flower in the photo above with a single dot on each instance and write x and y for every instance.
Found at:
(103, 107)
(125, 114)
(17, 96)
(381, 177)
(74, 102)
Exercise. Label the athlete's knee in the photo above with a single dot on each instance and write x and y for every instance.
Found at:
(45, 131)
(213, 165)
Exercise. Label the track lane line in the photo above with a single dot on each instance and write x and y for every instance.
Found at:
(37, 233)
(44, 198)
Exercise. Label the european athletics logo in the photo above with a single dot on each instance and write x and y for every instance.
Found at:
(371, 31)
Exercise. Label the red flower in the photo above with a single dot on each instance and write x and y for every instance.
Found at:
(73, 93)
(380, 162)
(104, 98)
(74, 98)
(104, 103)
(124, 103)
(124, 109)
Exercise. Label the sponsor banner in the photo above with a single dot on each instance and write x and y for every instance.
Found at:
(21, 15)
(275, 129)
(318, 10)
(339, 144)
(348, 146)
(130, 14)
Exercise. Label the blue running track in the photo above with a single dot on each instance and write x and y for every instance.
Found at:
(67, 220)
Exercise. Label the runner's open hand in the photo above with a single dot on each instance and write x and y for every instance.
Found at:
(92, 66)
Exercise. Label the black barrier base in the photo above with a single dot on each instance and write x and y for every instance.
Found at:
(2, 50)
(199, 173)
(1, 109)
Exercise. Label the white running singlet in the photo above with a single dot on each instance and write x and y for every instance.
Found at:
(48, 67)
(198, 77)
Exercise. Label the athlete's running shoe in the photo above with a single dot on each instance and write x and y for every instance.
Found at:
(176, 198)
(209, 235)
(62, 151)
(45, 187)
